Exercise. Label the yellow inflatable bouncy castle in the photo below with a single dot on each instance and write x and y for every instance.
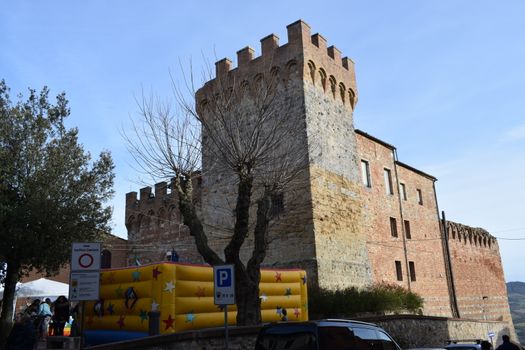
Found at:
(183, 294)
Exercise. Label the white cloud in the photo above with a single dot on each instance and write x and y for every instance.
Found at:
(516, 133)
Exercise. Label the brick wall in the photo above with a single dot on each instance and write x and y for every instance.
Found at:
(478, 273)
(383, 209)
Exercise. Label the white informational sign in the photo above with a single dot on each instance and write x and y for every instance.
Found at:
(84, 281)
(84, 286)
(224, 284)
(85, 257)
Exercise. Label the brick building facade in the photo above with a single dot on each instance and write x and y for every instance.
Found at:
(362, 216)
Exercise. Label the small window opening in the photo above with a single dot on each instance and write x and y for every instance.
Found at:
(365, 173)
(408, 235)
(403, 190)
(412, 269)
(388, 181)
(419, 197)
(277, 204)
(399, 271)
(393, 227)
(105, 259)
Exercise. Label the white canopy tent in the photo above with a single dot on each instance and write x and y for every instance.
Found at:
(40, 288)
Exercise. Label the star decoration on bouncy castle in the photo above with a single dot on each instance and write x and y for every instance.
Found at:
(143, 315)
(135, 275)
(169, 287)
(305, 306)
(303, 278)
(118, 291)
(278, 277)
(200, 293)
(154, 305)
(169, 322)
(156, 272)
(296, 312)
(263, 297)
(120, 321)
(110, 308)
(190, 317)
(288, 292)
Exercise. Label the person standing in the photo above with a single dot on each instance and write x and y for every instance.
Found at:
(44, 315)
(507, 345)
(61, 315)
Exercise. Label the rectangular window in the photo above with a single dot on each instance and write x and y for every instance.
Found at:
(388, 182)
(419, 197)
(365, 173)
(408, 235)
(403, 191)
(399, 271)
(393, 227)
(412, 269)
(277, 204)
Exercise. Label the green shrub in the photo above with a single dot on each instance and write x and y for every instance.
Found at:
(378, 298)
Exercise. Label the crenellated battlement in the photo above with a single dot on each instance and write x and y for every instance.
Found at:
(309, 55)
(147, 195)
(471, 235)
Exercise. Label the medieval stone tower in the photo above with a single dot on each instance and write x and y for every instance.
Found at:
(320, 227)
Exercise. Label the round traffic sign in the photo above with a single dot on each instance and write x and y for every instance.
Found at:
(85, 260)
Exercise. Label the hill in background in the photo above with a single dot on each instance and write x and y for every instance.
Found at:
(516, 291)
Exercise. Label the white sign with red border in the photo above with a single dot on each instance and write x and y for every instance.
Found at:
(85, 257)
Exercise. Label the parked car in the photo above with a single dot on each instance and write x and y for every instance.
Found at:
(324, 335)
(468, 344)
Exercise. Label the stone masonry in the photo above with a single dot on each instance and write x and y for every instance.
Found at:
(358, 216)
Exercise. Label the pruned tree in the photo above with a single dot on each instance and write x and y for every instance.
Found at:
(51, 192)
(243, 130)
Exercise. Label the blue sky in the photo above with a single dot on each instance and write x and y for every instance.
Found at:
(441, 80)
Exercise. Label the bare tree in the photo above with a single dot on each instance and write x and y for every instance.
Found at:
(250, 136)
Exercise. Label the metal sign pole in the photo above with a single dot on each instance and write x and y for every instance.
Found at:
(82, 310)
(224, 292)
(226, 326)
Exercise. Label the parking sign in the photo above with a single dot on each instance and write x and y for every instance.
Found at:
(224, 285)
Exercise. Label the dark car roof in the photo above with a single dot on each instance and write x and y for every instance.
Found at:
(319, 323)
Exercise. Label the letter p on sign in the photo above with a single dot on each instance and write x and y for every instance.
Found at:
(225, 278)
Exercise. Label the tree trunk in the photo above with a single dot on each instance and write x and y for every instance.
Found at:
(247, 298)
(6, 318)
(249, 303)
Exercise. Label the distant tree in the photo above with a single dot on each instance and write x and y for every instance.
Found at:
(250, 137)
(51, 192)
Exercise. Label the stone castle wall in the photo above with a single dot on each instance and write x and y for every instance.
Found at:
(155, 226)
